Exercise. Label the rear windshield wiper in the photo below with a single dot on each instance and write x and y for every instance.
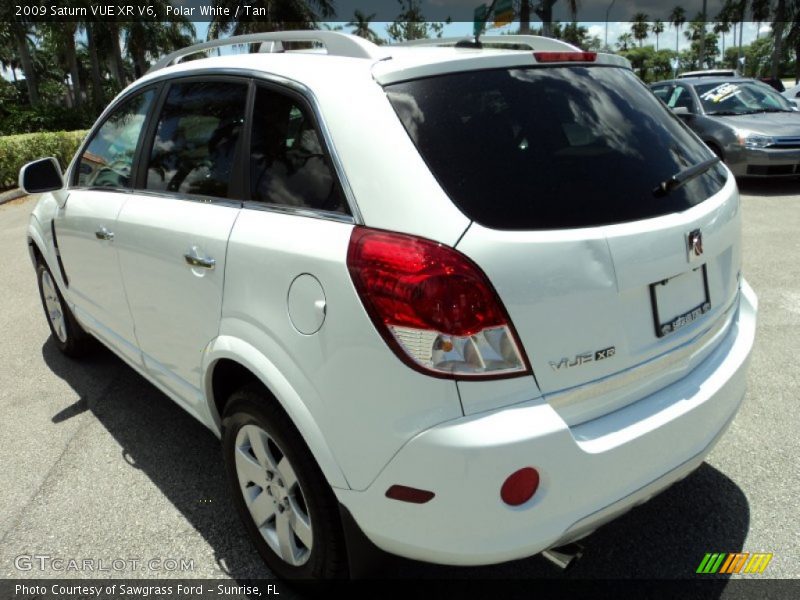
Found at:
(683, 177)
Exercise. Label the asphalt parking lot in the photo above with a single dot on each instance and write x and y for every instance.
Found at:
(97, 464)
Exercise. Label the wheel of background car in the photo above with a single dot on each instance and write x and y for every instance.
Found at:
(68, 335)
(286, 504)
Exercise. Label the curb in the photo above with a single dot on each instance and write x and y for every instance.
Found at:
(11, 195)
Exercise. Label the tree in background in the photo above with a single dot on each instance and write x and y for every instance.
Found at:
(281, 15)
(721, 28)
(640, 27)
(147, 39)
(778, 27)
(411, 25)
(17, 34)
(760, 9)
(709, 49)
(677, 18)
(657, 28)
(361, 27)
(624, 41)
(793, 36)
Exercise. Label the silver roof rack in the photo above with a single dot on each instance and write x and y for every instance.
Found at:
(533, 42)
(335, 43)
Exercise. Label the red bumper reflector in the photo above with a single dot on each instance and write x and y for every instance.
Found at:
(409, 494)
(520, 486)
(565, 56)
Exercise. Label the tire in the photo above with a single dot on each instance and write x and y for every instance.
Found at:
(70, 338)
(275, 481)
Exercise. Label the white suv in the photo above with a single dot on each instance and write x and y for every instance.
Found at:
(464, 304)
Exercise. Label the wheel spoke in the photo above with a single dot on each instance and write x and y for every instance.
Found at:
(262, 508)
(301, 527)
(287, 474)
(258, 442)
(286, 543)
(248, 470)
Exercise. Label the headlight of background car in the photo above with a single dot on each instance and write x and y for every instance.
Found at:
(748, 139)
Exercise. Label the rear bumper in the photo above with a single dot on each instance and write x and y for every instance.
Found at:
(590, 473)
(766, 162)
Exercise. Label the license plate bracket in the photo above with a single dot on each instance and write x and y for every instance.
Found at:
(680, 300)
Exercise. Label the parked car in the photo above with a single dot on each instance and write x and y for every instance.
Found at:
(470, 310)
(754, 129)
(793, 94)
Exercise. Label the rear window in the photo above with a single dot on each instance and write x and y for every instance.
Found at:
(552, 148)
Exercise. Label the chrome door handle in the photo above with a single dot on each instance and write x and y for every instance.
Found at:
(104, 234)
(197, 261)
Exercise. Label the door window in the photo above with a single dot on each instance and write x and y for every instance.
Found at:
(288, 163)
(662, 92)
(681, 97)
(197, 134)
(107, 160)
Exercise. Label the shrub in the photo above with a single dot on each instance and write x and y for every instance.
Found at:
(16, 150)
(16, 119)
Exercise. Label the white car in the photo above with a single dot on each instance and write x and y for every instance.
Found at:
(793, 94)
(465, 305)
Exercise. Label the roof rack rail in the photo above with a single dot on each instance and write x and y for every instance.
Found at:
(533, 42)
(335, 43)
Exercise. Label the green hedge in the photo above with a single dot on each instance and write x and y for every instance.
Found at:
(16, 150)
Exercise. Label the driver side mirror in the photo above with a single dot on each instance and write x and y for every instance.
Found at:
(43, 175)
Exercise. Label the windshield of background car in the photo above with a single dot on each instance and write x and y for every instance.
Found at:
(552, 148)
(740, 98)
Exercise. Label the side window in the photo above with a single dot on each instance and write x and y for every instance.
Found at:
(106, 162)
(288, 163)
(197, 134)
(662, 92)
(681, 97)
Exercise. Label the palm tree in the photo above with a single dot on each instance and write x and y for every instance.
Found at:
(94, 61)
(760, 10)
(153, 38)
(722, 27)
(677, 17)
(778, 26)
(16, 32)
(544, 10)
(285, 14)
(657, 28)
(624, 40)
(640, 27)
(62, 37)
(361, 28)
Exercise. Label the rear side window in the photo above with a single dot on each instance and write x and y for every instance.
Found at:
(107, 160)
(552, 148)
(662, 92)
(197, 136)
(288, 163)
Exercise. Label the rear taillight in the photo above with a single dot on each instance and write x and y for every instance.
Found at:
(434, 306)
(544, 57)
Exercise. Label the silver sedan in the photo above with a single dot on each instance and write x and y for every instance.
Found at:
(754, 129)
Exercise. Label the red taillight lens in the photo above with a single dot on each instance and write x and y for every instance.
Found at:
(565, 56)
(433, 304)
(520, 486)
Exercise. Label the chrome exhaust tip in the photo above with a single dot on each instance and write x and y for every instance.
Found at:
(565, 556)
